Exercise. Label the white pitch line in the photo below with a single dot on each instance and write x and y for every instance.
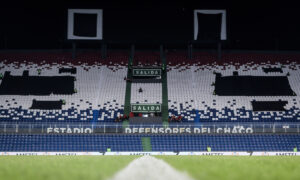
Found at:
(150, 168)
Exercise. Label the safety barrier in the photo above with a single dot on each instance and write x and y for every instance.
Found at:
(178, 128)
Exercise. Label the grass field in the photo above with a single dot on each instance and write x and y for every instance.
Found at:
(103, 167)
(61, 167)
(237, 168)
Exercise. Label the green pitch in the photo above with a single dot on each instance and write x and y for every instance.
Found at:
(61, 167)
(103, 167)
(237, 168)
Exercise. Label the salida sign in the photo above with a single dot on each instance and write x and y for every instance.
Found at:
(145, 108)
(146, 72)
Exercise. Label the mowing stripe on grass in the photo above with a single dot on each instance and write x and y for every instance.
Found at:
(149, 168)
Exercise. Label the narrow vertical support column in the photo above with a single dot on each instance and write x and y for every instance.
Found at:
(190, 51)
(73, 50)
(161, 50)
(132, 51)
(165, 113)
(103, 50)
(219, 50)
(127, 105)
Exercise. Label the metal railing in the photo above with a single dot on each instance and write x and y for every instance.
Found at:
(176, 128)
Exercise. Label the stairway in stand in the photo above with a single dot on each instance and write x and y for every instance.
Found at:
(146, 144)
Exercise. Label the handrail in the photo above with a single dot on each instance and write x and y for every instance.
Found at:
(173, 128)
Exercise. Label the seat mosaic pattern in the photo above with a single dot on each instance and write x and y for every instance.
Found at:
(191, 87)
(99, 85)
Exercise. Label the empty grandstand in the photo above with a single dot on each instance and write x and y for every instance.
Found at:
(110, 108)
(171, 79)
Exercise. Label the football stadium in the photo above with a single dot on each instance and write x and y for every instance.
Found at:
(120, 90)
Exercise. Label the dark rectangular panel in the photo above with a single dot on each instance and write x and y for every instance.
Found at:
(68, 70)
(36, 85)
(46, 104)
(268, 105)
(209, 26)
(253, 86)
(85, 25)
(272, 69)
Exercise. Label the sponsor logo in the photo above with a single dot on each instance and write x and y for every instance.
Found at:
(140, 154)
(146, 72)
(235, 153)
(66, 154)
(69, 130)
(286, 154)
(146, 108)
(26, 154)
(212, 154)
